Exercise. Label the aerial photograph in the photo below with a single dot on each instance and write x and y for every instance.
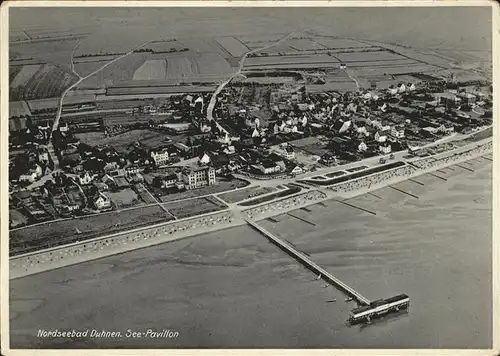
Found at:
(250, 177)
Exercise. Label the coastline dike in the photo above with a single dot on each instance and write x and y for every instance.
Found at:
(118, 243)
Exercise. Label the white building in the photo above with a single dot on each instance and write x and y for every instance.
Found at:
(204, 159)
(86, 178)
(385, 149)
(160, 156)
(33, 174)
(398, 132)
(362, 147)
(101, 201)
(380, 137)
(198, 177)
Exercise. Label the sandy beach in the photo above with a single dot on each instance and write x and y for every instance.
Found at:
(208, 284)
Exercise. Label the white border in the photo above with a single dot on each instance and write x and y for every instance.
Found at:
(4, 296)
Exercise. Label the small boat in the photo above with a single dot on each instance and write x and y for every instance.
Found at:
(78, 231)
(350, 299)
(319, 276)
(325, 286)
(331, 300)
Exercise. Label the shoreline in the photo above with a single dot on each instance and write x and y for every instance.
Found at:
(64, 255)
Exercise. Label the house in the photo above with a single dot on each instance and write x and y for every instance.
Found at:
(269, 167)
(393, 90)
(401, 88)
(102, 187)
(345, 126)
(380, 136)
(362, 147)
(32, 175)
(169, 180)
(160, 155)
(255, 133)
(297, 170)
(328, 159)
(398, 132)
(109, 181)
(467, 97)
(411, 87)
(86, 178)
(195, 177)
(447, 99)
(43, 156)
(133, 169)
(101, 201)
(204, 159)
(385, 148)
(362, 130)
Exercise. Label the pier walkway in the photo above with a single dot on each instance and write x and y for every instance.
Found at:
(305, 260)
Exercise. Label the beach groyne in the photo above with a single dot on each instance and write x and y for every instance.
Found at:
(414, 168)
(284, 205)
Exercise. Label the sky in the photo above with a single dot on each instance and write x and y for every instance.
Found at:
(426, 27)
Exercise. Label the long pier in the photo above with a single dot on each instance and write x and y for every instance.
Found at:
(306, 261)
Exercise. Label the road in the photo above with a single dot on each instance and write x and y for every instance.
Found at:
(55, 126)
(213, 99)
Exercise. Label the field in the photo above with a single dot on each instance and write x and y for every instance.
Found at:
(189, 67)
(125, 198)
(221, 186)
(65, 231)
(304, 44)
(121, 70)
(18, 108)
(48, 81)
(24, 75)
(368, 56)
(42, 104)
(123, 141)
(294, 61)
(192, 207)
(239, 195)
(51, 52)
(334, 43)
(233, 46)
(151, 69)
(141, 92)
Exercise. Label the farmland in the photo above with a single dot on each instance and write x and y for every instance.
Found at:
(336, 43)
(18, 108)
(291, 61)
(193, 207)
(56, 52)
(36, 82)
(62, 232)
(185, 68)
(121, 70)
(140, 92)
(304, 44)
(151, 69)
(233, 46)
(24, 75)
(239, 195)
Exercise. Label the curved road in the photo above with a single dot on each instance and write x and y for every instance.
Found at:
(55, 126)
(213, 99)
